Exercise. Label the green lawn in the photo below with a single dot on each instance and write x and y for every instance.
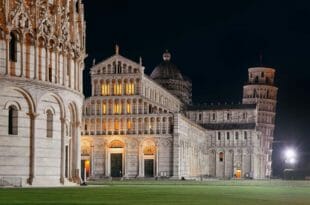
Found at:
(150, 193)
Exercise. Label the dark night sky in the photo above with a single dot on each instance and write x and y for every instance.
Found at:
(214, 42)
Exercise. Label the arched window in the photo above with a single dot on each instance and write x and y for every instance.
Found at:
(218, 136)
(104, 108)
(237, 135)
(244, 115)
(13, 120)
(119, 67)
(116, 124)
(245, 135)
(228, 116)
(13, 48)
(50, 74)
(256, 79)
(105, 89)
(221, 156)
(130, 88)
(117, 108)
(213, 116)
(117, 87)
(49, 123)
(255, 93)
(128, 108)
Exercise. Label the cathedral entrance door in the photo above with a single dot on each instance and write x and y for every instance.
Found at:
(238, 174)
(149, 167)
(116, 165)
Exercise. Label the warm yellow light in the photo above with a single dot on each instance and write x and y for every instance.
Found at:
(104, 108)
(238, 173)
(117, 88)
(105, 89)
(104, 125)
(117, 108)
(129, 124)
(87, 165)
(128, 108)
(130, 88)
(116, 125)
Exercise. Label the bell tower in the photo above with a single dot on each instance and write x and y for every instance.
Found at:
(261, 90)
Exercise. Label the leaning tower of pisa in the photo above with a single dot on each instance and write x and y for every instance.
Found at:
(261, 90)
(42, 51)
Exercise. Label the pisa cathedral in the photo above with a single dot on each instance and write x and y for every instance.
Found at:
(136, 126)
(132, 126)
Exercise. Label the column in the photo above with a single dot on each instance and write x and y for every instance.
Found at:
(107, 107)
(64, 69)
(56, 66)
(46, 62)
(156, 158)
(63, 152)
(176, 157)
(137, 126)
(7, 42)
(124, 126)
(94, 117)
(77, 151)
(93, 88)
(32, 147)
(167, 125)
(155, 125)
(35, 61)
(101, 114)
(161, 125)
(92, 161)
(22, 73)
(113, 100)
(111, 88)
(107, 161)
(75, 74)
(140, 162)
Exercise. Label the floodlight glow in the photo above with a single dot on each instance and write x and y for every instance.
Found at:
(290, 153)
(292, 161)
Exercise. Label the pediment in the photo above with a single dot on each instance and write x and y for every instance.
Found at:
(115, 59)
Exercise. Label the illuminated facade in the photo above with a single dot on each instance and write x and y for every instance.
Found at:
(42, 49)
(139, 126)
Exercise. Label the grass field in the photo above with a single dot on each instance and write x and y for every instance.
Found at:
(150, 193)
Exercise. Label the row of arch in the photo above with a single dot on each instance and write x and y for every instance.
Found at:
(232, 163)
(263, 93)
(219, 116)
(117, 67)
(120, 106)
(36, 58)
(66, 116)
(147, 125)
(13, 121)
(153, 92)
(147, 150)
(116, 87)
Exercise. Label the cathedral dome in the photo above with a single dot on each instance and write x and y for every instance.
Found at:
(166, 69)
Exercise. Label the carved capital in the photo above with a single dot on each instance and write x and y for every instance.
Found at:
(33, 115)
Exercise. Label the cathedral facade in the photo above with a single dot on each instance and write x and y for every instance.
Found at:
(137, 126)
(132, 126)
(42, 51)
